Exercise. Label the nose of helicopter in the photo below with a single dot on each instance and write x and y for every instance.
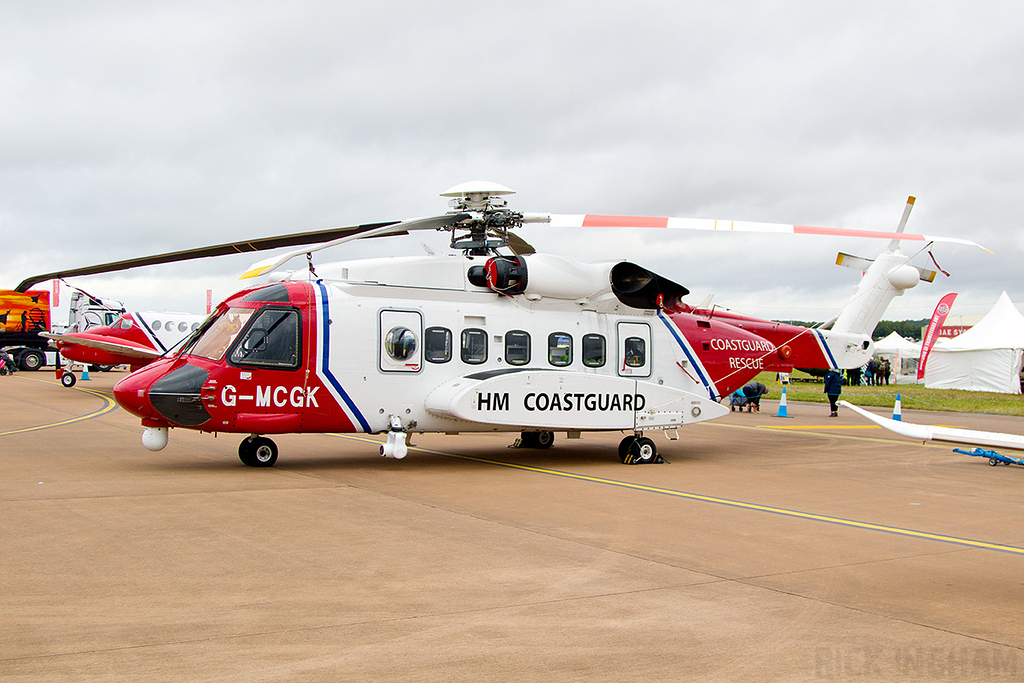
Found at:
(167, 391)
(132, 393)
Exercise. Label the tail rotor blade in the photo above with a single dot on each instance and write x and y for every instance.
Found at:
(894, 245)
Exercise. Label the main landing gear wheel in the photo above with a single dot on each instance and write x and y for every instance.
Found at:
(257, 451)
(68, 379)
(536, 439)
(638, 450)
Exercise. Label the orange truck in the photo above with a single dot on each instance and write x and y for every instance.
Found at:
(24, 315)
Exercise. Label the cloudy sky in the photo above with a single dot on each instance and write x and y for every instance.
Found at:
(129, 129)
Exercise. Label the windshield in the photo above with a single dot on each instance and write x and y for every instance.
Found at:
(216, 339)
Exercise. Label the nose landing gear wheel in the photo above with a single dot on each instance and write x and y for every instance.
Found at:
(257, 451)
(68, 379)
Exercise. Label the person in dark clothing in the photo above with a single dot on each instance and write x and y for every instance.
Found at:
(753, 391)
(833, 387)
(7, 364)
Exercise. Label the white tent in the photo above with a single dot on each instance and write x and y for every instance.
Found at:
(986, 357)
(902, 354)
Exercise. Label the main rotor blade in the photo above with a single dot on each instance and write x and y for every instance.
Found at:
(401, 228)
(519, 246)
(599, 221)
(261, 244)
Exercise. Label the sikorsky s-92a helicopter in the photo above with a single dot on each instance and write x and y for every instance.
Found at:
(494, 337)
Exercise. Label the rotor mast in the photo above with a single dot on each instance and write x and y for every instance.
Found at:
(487, 228)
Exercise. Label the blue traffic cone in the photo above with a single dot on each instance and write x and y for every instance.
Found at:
(897, 410)
(782, 405)
(85, 371)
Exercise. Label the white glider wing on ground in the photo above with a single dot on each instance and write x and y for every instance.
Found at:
(969, 437)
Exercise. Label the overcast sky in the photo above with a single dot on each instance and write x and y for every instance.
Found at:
(129, 129)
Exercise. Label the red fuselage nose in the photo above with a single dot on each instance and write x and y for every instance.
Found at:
(132, 392)
(165, 393)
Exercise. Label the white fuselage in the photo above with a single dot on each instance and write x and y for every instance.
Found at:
(484, 361)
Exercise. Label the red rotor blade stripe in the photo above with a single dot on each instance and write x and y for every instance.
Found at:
(605, 221)
(597, 221)
(842, 232)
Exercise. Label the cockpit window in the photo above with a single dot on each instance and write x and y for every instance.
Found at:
(218, 336)
(271, 339)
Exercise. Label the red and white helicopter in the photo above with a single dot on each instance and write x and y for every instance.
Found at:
(494, 338)
(135, 339)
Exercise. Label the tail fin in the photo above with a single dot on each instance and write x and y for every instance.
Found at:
(888, 276)
(885, 277)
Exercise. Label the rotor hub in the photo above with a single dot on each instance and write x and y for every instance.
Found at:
(486, 228)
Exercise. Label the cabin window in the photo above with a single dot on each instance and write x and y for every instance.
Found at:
(635, 352)
(218, 337)
(156, 325)
(437, 345)
(594, 350)
(400, 343)
(517, 347)
(182, 327)
(560, 349)
(271, 339)
(474, 346)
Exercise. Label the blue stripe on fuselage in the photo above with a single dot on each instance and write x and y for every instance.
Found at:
(686, 350)
(325, 356)
(828, 351)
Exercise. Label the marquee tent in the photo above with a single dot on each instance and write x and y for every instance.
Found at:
(986, 357)
(902, 354)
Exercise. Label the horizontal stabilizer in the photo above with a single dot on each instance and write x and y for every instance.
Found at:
(855, 262)
(860, 263)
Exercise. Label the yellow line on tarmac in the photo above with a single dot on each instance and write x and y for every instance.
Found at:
(808, 431)
(850, 523)
(108, 405)
(824, 427)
